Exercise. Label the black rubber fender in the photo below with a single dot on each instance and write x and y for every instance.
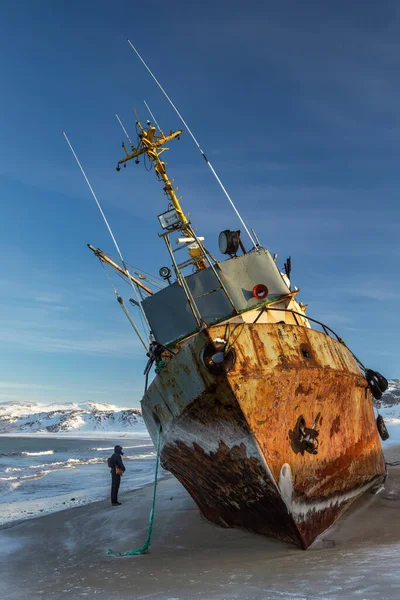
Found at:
(383, 432)
(375, 389)
(373, 383)
(383, 382)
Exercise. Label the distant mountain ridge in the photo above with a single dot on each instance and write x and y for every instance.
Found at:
(389, 406)
(85, 417)
(96, 417)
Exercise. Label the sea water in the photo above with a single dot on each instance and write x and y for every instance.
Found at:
(43, 475)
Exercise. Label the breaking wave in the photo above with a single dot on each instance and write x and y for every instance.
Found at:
(150, 455)
(70, 463)
(25, 477)
(124, 447)
(16, 474)
(50, 452)
(45, 452)
(37, 453)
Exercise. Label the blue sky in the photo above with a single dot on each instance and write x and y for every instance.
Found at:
(296, 105)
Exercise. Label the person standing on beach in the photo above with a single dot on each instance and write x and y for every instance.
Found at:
(117, 468)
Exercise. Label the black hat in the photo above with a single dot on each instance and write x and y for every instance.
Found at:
(118, 450)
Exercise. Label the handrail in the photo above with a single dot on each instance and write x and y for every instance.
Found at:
(324, 327)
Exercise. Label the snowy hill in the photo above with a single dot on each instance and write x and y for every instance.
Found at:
(70, 418)
(389, 406)
(101, 419)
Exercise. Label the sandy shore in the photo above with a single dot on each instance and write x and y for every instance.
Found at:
(63, 555)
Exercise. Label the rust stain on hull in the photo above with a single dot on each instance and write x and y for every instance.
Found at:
(227, 480)
(229, 438)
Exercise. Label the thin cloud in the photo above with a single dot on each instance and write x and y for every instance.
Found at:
(23, 386)
(89, 342)
(49, 298)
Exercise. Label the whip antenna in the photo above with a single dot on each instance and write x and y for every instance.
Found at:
(124, 130)
(153, 117)
(112, 237)
(196, 142)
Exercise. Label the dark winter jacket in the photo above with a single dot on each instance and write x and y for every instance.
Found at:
(116, 459)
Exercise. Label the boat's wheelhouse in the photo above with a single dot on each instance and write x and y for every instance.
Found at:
(249, 282)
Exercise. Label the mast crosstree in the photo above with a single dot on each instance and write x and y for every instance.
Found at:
(152, 145)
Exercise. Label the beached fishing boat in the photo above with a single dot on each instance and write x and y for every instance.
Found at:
(266, 416)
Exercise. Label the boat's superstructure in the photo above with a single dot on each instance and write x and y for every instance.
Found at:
(267, 422)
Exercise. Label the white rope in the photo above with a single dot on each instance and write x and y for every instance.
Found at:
(108, 226)
(196, 142)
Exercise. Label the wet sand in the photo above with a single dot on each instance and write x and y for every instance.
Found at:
(63, 555)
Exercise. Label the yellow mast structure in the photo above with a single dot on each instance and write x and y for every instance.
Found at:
(151, 145)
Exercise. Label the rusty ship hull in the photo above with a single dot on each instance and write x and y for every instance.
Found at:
(232, 439)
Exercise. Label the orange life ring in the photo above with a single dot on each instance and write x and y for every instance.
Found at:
(260, 291)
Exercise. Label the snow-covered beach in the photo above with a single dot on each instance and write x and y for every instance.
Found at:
(61, 477)
(63, 555)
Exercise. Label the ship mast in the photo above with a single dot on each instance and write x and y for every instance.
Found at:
(151, 144)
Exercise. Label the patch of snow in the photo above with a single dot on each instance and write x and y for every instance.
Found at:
(210, 438)
(219, 341)
(85, 419)
(301, 510)
(389, 408)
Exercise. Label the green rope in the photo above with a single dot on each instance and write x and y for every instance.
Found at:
(146, 545)
(159, 366)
